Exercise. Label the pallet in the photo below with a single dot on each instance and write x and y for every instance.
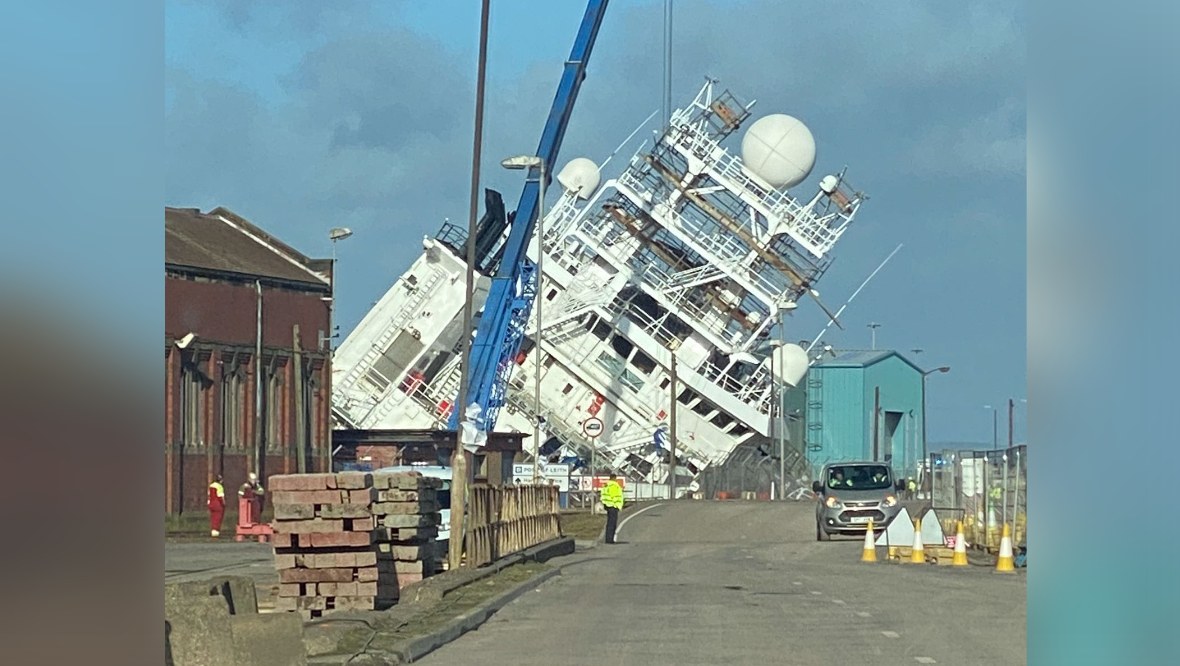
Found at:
(933, 554)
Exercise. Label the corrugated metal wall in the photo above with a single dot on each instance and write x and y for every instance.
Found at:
(843, 418)
(901, 394)
(836, 404)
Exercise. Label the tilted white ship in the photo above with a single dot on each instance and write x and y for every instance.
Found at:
(690, 248)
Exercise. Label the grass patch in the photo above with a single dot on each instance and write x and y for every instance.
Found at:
(196, 523)
(582, 524)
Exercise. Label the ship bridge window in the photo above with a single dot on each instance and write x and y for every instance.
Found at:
(617, 369)
(643, 362)
(721, 420)
(621, 345)
(599, 329)
(551, 295)
(704, 408)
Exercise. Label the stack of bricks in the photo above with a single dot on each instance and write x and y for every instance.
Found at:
(333, 546)
(407, 516)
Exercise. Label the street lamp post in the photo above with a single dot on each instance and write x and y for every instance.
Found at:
(531, 162)
(334, 235)
(784, 307)
(995, 426)
(925, 374)
(874, 326)
(672, 423)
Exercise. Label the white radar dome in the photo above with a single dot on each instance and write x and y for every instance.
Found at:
(779, 149)
(790, 364)
(580, 176)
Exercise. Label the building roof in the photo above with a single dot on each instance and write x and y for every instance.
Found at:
(221, 242)
(863, 359)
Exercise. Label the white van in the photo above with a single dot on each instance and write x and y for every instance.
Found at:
(444, 494)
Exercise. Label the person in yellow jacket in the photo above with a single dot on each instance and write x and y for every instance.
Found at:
(612, 499)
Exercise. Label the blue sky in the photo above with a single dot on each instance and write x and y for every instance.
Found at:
(305, 116)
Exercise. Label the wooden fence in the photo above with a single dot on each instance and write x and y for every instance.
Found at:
(509, 519)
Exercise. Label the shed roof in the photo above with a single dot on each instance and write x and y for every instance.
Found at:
(223, 242)
(863, 359)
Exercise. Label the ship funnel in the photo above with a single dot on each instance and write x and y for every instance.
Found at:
(580, 176)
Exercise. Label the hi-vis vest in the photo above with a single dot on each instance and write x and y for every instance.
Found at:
(612, 495)
(216, 493)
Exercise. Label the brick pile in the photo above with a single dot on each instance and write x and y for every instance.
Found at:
(406, 513)
(352, 540)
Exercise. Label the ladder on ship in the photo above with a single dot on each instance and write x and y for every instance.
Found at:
(396, 325)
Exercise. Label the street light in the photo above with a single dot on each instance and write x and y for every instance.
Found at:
(334, 234)
(535, 162)
(995, 426)
(944, 369)
(874, 326)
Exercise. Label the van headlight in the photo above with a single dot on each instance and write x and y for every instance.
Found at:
(833, 503)
(890, 500)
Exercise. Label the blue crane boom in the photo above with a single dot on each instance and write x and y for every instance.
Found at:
(514, 285)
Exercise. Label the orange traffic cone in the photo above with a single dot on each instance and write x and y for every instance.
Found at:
(918, 553)
(869, 554)
(960, 558)
(1005, 564)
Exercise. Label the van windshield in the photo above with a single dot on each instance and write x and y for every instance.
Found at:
(859, 477)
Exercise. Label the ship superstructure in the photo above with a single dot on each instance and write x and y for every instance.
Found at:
(691, 250)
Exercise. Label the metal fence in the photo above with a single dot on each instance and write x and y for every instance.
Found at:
(984, 489)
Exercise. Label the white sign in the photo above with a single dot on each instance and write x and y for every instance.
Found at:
(593, 427)
(559, 474)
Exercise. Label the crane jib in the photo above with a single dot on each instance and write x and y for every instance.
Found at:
(513, 289)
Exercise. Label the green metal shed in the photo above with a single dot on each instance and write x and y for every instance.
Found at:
(862, 405)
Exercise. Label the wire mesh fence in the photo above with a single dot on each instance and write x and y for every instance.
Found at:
(988, 489)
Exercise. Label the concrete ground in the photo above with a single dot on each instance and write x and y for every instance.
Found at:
(193, 559)
(736, 582)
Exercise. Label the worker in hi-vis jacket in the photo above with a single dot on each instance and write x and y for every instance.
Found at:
(612, 499)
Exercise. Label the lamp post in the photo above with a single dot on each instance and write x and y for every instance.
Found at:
(777, 429)
(995, 426)
(334, 235)
(925, 374)
(672, 347)
(784, 307)
(535, 162)
(874, 326)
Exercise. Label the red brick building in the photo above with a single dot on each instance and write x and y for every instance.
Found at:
(246, 343)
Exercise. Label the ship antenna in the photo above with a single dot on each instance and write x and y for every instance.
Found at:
(841, 310)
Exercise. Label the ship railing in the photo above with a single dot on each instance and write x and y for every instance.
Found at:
(717, 242)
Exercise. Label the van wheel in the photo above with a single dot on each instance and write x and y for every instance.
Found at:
(820, 534)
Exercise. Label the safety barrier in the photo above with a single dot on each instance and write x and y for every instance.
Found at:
(986, 490)
(509, 519)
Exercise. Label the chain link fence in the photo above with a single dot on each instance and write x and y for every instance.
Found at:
(984, 489)
(753, 474)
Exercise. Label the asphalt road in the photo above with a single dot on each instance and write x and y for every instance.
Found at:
(746, 583)
(190, 560)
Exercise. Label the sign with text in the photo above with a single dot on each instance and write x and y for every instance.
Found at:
(558, 474)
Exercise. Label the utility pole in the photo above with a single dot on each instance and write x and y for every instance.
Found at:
(459, 468)
(995, 429)
(672, 424)
(1011, 408)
